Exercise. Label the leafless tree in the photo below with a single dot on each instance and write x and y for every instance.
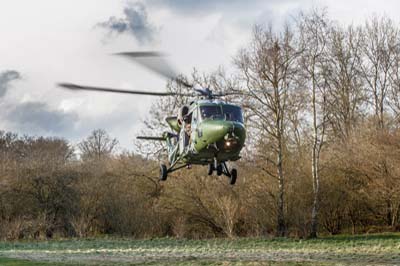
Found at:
(314, 30)
(98, 145)
(267, 70)
(346, 97)
(380, 50)
(394, 91)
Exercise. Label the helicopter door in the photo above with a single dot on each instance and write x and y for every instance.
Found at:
(185, 132)
(195, 121)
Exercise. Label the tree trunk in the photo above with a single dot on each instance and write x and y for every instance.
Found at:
(314, 166)
(281, 225)
(315, 208)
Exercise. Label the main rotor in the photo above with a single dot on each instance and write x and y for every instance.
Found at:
(157, 63)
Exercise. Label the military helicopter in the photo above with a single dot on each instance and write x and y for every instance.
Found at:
(207, 131)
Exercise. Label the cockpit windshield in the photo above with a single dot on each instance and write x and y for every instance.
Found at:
(227, 112)
(211, 111)
(232, 113)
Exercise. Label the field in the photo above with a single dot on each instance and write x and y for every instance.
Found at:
(381, 249)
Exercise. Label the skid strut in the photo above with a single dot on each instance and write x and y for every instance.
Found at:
(225, 170)
(172, 169)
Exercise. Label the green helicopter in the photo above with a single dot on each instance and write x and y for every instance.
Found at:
(207, 131)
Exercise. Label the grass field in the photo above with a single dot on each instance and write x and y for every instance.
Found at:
(382, 249)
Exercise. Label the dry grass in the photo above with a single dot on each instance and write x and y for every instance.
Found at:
(382, 249)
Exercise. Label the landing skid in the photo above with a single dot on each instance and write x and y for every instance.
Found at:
(164, 171)
(220, 168)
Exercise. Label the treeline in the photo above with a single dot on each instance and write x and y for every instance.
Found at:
(46, 192)
(322, 156)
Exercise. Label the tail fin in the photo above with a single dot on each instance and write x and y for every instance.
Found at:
(165, 136)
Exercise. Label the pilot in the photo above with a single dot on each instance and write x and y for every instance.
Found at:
(187, 131)
(188, 124)
(182, 113)
(184, 122)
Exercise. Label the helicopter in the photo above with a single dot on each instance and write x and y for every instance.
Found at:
(207, 131)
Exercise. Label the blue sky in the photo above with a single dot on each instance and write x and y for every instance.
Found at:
(47, 41)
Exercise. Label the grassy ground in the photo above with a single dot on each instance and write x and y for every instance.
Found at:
(382, 249)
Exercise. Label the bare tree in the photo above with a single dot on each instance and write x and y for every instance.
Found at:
(394, 91)
(346, 97)
(380, 48)
(314, 30)
(98, 145)
(267, 70)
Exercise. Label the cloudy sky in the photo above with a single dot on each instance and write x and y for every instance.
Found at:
(46, 41)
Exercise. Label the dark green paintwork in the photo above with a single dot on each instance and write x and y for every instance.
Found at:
(215, 131)
(208, 137)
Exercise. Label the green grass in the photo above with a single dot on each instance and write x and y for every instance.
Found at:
(15, 262)
(379, 249)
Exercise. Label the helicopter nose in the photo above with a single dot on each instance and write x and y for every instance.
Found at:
(225, 129)
(233, 129)
(228, 127)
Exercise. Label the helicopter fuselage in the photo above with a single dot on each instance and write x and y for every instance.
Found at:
(215, 132)
(216, 140)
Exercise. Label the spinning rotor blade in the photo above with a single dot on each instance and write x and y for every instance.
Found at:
(228, 94)
(151, 138)
(71, 86)
(156, 62)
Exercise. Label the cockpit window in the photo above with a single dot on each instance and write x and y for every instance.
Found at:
(227, 112)
(211, 111)
(232, 113)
